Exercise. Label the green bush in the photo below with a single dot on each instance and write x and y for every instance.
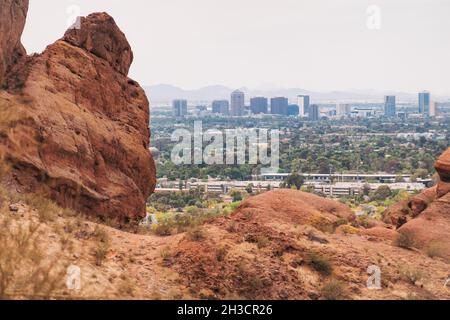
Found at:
(162, 229)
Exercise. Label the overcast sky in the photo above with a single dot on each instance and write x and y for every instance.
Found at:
(321, 45)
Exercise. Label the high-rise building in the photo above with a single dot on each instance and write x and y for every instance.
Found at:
(279, 105)
(433, 109)
(221, 106)
(179, 108)
(424, 103)
(293, 110)
(314, 112)
(390, 107)
(237, 103)
(303, 105)
(343, 110)
(258, 105)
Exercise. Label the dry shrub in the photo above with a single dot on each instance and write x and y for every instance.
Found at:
(333, 290)
(321, 223)
(405, 240)
(221, 254)
(435, 249)
(126, 288)
(25, 271)
(100, 253)
(251, 281)
(166, 253)
(162, 229)
(103, 245)
(348, 229)
(46, 209)
(101, 235)
(232, 227)
(319, 263)
(262, 241)
(167, 256)
(196, 234)
(411, 275)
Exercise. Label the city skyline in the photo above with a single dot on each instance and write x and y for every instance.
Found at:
(164, 93)
(241, 105)
(327, 46)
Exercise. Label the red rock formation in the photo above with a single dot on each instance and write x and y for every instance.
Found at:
(443, 168)
(75, 127)
(12, 22)
(100, 36)
(427, 215)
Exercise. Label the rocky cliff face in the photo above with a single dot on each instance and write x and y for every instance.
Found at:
(12, 22)
(72, 124)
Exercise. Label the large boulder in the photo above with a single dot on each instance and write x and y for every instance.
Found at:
(431, 229)
(443, 168)
(76, 128)
(99, 35)
(426, 217)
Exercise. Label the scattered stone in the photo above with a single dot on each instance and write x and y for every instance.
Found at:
(14, 207)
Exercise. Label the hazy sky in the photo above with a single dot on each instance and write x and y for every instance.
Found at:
(310, 44)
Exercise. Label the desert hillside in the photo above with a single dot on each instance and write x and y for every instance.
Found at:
(76, 174)
(278, 245)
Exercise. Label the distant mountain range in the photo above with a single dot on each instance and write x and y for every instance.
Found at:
(164, 93)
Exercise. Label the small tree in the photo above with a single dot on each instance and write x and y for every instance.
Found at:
(237, 195)
(366, 189)
(295, 180)
(382, 193)
(419, 173)
(249, 189)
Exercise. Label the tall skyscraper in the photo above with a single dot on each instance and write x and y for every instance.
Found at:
(221, 106)
(279, 105)
(303, 105)
(343, 109)
(390, 107)
(424, 103)
(258, 105)
(237, 103)
(314, 112)
(179, 108)
(433, 109)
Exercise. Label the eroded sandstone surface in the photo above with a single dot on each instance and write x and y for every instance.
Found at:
(72, 124)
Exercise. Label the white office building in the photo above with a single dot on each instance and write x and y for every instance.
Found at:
(303, 105)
